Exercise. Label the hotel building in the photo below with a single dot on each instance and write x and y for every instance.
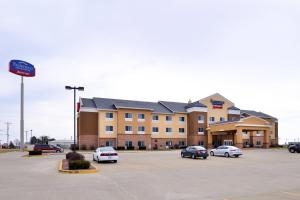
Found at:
(209, 122)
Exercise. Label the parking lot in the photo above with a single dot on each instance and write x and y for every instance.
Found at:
(258, 174)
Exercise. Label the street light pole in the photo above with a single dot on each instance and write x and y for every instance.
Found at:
(80, 89)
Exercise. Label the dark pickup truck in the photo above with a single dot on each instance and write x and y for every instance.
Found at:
(294, 148)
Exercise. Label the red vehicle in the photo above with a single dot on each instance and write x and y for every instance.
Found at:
(48, 148)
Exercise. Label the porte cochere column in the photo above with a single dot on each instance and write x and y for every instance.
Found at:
(238, 138)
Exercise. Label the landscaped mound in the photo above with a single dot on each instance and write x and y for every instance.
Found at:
(76, 161)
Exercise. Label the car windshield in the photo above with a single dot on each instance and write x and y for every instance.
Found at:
(199, 148)
(106, 149)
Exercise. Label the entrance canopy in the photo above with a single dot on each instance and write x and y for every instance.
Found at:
(248, 123)
(236, 129)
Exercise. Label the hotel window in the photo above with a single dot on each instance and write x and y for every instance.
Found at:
(128, 115)
(109, 143)
(155, 129)
(168, 130)
(200, 119)
(109, 115)
(200, 130)
(128, 143)
(109, 128)
(168, 118)
(168, 143)
(155, 117)
(128, 128)
(141, 128)
(181, 130)
(258, 143)
(141, 143)
(222, 119)
(181, 143)
(181, 119)
(211, 119)
(141, 116)
(201, 143)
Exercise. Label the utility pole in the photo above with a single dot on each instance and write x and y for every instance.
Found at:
(7, 132)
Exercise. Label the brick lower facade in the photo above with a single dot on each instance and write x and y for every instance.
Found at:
(164, 143)
(134, 138)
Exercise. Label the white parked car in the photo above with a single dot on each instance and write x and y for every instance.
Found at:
(227, 151)
(105, 154)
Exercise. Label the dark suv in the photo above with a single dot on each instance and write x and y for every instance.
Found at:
(294, 148)
(48, 148)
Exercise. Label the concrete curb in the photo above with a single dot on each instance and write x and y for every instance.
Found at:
(80, 171)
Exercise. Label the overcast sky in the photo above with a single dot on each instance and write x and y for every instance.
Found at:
(248, 51)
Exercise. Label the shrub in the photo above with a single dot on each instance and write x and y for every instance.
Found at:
(92, 147)
(74, 149)
(120, 148)
(130, 148)
(74, 156)
(34, 153)
(83, 147)
(142, 148)
(79, 164)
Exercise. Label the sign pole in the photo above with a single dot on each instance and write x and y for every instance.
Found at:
(22, 116)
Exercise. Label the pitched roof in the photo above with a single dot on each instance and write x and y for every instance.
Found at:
(258, 114)
(174, 107)
(233, 108)
(195, 104)
(88, 103)
(113, 104)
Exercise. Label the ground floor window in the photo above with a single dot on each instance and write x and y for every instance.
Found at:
(181, 143)
(258, 143)
(141, 143)
(201, 143)
(109, 143)
(128, 143)
(168, 143)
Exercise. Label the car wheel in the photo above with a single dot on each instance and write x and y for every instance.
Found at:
(292, 150)
(182, 155)
(204, 157)
(115, 161)
(193, 156)
(212, 153)
(236, 156)
(98, 160)
(227, 155)
(57, 151)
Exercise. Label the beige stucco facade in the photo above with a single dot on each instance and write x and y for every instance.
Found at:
(175, 124)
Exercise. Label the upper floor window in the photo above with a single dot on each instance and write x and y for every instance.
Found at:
(109, 128)
(141, 116)
(155, 117)
(181, 130)
(168, 118)
(211, 119)
(154, 129)
(181, 119)
(128, 116)
(141, 128)
(109, 115)
(128, 128)
(200, 119)
(168, 130)
(200, 130)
